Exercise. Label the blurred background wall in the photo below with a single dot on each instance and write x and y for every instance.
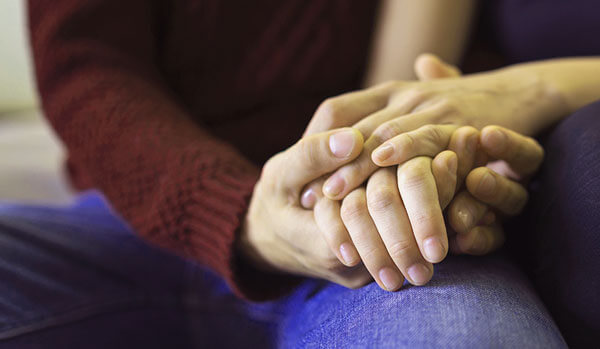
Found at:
(31, 156)
(17, 90)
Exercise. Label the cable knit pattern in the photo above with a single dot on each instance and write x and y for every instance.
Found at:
(160, 105)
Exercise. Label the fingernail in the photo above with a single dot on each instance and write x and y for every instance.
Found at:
(390, 279)
(418, 273)
(334, 186)
(349, 254)
(342, 143)
(434, 251)
(487, 185)
(496, 139)
(308, 198)
(466, 218)
(383, 152)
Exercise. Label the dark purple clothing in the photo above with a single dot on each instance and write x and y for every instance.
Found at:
(528, 30)
(559, 234)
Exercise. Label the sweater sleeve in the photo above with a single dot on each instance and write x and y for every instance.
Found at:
(177, 186)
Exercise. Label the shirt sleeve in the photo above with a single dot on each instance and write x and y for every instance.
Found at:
(177, 186)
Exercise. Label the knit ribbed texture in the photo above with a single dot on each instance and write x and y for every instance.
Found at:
(128, 88)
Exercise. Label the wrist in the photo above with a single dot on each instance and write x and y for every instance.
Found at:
(540, 102)
(247, 244)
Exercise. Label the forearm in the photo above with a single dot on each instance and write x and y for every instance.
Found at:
(567, 85)
(177, 185)
(405, 29)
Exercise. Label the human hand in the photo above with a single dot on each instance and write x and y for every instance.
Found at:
(384, 111)
(395, 224)
(493, 191)
(279, 235)
(409, 260)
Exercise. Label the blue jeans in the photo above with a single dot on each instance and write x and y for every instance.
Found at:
(77, 277)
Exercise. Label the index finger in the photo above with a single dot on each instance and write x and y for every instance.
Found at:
(523, 154)
(313, 156)
(351, 175)
(347, 109)
(418, 189)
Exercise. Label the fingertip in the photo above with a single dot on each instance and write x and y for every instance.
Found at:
(434, 250)
(465, 212)
(346, 143)
(493, 138)
(349, 255)
(381, 156)
(482, 183)
(475, 242)
(390, 278)
(419, 274)
(474, 177)
(308, 199)
(334, 187)
(452, 162)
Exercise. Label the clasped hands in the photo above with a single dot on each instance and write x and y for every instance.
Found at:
(371, 201)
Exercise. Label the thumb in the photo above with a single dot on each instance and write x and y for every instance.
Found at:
(430, 67)
(315, 155)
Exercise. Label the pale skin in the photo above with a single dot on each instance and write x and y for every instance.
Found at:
(372, 225)
(279, 234)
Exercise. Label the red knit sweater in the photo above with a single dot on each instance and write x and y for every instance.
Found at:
(171, 107)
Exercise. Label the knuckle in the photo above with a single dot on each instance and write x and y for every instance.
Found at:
(309, 154)
(329, 111)
(381, 198)
(418, 95)
(270, 165)
(371, 255)
(448, 105)
(433, 133)
(325, 106)
(390, 85)
(421, 219)
(411, 174)
(353, 208)
(386, 131)
(400, 249)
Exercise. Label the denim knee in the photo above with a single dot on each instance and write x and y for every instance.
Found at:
(562, 223)
(471, 302)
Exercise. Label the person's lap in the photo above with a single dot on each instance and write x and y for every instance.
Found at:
(77, 277)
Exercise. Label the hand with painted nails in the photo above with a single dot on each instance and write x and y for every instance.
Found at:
(278, 234)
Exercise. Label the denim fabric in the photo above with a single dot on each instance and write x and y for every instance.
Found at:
(471, 303)
(78, 278)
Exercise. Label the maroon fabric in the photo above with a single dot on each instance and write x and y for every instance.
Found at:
(170, 107)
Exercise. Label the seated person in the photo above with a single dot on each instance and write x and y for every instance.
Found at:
(188, 116)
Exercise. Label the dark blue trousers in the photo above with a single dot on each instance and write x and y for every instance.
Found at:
(559, 232)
